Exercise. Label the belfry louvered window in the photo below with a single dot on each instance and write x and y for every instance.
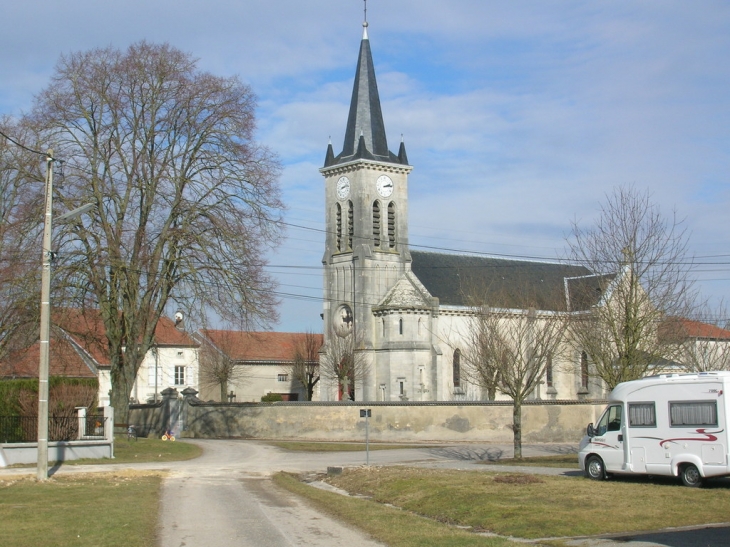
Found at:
(350, 224)
(376, 223)
(391, 225)
(339, 227)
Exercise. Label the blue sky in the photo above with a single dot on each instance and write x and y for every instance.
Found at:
(518, 117)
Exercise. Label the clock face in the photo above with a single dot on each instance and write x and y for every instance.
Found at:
(384, 185)
(343, 187)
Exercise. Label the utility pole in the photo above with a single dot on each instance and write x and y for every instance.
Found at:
(43, 368)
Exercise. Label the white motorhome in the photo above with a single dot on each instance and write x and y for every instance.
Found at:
(673, 424)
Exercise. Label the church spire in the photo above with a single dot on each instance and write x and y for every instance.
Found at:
(365, 132)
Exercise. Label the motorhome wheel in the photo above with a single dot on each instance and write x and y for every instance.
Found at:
(595, 469)
(691, 476)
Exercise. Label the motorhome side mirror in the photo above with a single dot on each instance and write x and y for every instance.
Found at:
(590, 430)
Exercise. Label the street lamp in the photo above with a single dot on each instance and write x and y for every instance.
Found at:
(43, 367)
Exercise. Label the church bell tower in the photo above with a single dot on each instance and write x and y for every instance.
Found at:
(366, 201)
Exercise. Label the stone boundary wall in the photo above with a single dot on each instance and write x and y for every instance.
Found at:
(543, 421)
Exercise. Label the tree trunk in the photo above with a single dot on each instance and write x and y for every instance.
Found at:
(120, 393)
(517, 428)
(224, 391)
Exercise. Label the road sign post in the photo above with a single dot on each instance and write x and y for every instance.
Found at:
(366, 413)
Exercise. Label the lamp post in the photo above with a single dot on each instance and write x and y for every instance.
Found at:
(45, 334)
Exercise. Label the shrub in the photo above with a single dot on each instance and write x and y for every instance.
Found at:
(271, 398)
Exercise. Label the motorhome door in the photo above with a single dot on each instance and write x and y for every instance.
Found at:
(608, 441)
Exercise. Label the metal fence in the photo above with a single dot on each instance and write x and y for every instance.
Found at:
(24, 429)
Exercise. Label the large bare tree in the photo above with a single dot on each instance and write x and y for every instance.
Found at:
(305, 368)
(643, 271)
(21, 222)
(186, 199)
(342, 363)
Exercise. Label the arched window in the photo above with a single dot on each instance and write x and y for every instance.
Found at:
(350, 224)
(339, 227)
(391, 225)
(376, 223)
(457, 368)
(584, 370)
(549, 370)
(400, 326)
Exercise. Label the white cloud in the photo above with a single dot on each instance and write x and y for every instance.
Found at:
(517, 116)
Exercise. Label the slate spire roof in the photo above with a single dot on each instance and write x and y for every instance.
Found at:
(365, 132)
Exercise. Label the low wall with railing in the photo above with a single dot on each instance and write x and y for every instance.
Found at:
(69, 438)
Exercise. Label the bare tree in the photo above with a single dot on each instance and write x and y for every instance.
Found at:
(21, 222)
(480, 368)
(642, 268)
(515, 347)
(186, 199)
(218, 369)
(341, 362)
(305, 368)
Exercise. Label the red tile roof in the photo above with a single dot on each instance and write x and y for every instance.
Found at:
(87, 330)
(258, 346)
(686, 328)
(63, 359)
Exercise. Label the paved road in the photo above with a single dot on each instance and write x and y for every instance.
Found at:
(225, 498)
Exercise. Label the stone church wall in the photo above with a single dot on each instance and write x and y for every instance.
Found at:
(559, 421)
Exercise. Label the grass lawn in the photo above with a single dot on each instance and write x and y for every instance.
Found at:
(150, 450)
(140, 451)
(562, 461)
(312, 446)
(90, 510)
(532, 506)
(389, 525)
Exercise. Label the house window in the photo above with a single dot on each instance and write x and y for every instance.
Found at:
(696, 413)
(339, 227)
(391, 225)
(179, 376)
(376, 224)
(457, 368)
(583, 370)
(282, 377)
(154, 375)
(400, 326)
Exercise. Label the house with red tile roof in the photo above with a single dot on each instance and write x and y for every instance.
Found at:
(79, 349)
(262, 361)
(699, 346)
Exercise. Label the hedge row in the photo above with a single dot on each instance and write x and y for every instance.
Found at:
(13, 391)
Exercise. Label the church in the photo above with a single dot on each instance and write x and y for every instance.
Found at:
(407, 310)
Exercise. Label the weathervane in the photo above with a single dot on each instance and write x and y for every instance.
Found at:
(365, 23)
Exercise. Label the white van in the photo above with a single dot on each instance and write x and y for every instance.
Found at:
(673, 424)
